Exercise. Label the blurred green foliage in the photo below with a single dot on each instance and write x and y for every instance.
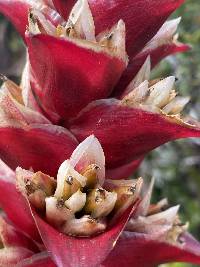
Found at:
(176, 166)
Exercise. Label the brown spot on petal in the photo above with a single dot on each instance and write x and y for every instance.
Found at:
(60, 203)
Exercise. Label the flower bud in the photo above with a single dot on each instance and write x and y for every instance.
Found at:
(76, 202)
(37, 186)
(69, 181)
(85, 226)
(56, 212)
(100, 202)
(91, 173)
(127, 193)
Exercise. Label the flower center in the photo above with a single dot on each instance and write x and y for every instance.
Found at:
(76, 204)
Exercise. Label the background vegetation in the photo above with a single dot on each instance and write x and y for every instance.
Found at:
(176, 165)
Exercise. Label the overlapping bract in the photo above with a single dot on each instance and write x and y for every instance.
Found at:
(88, 72)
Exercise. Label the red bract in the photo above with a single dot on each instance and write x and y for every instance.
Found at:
(70, 251)
(67, 80)
(33, 139)
(64, 7)
(133, 249)
(18, 249)
(105, 117)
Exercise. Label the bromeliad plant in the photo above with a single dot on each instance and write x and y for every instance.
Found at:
(88, 72)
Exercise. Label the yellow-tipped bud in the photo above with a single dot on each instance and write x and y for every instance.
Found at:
(91, 173)
(100, 202)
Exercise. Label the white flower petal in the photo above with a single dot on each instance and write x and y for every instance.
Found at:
(142, 75)
(160, 92)
(89, 152)
(176, 105)
(144, 204)
(76, 202)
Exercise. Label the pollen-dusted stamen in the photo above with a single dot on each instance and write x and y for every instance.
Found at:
(82, 20)
(39, 24)
(100, 195)
(114, 40)
(63, 206)
(132, 189)
(127, 193)
(80, 29)
(109, 36)
(70, 30)
(91, 173)
(70, 180)
(124, 194)
(100, 202)
(60, 203)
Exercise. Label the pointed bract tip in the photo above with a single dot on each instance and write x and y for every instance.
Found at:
(172, 25)
(170, 80)
(89, 152)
